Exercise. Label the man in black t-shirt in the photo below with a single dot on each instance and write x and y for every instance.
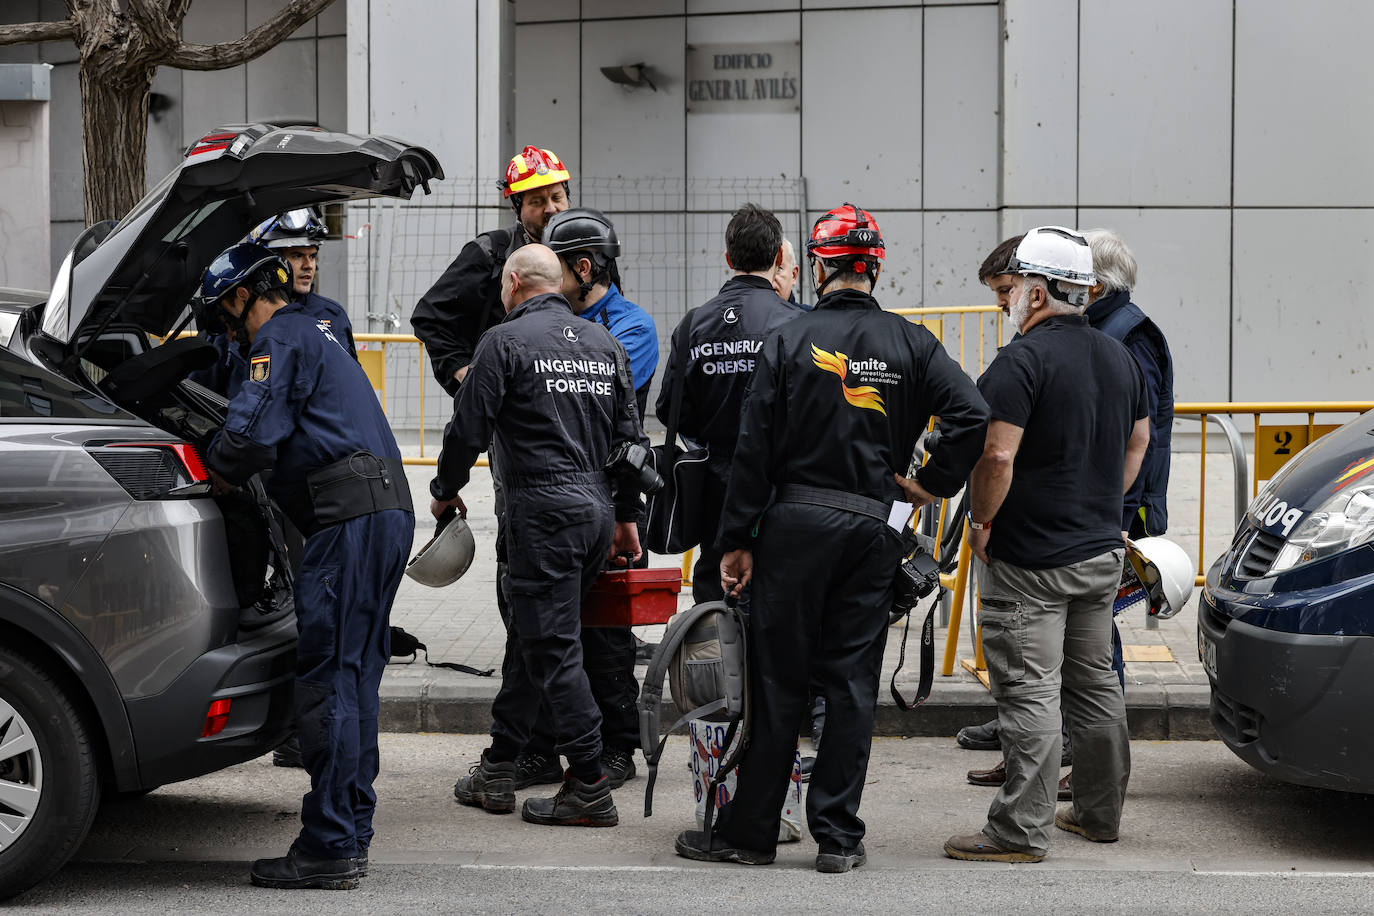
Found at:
(1069, 425)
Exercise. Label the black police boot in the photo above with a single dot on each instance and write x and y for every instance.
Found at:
(289, 754)
(535, 769)
(577, 804)
(297, 871)
(691, 844)
(490, 786)
(618, 765)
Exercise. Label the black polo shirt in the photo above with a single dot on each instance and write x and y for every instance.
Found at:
(1076, 393)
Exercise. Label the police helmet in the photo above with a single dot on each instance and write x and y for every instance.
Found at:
(246, 263)
(299, 228)
(447, 555)
(582, 229)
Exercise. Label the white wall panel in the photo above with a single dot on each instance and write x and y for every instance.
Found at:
(955, 245)
(899, 284)
(961, 50)
(1155, 103)
(851, 151)
(744, 144)
(1015, 220)
(547, 112)
(633, 132)
(281, 84)
(1039, 102)
(602, 9)
(259, 11)
(208, 23)
(211, 98)
(543, 10)
(1303, 124)
(1184, 286)
(332, 57)
(1303, 333)
(424, 91)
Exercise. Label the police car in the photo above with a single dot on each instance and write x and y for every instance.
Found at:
(147, 631)
(1286, 620)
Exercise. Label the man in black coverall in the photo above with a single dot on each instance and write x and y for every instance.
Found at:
(462, 304)
(556, 393)
(830, 421)
(719, 341)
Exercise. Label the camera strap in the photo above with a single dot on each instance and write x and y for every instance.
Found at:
(927, 661)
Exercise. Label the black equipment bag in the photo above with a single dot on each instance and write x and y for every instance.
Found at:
(674, 518)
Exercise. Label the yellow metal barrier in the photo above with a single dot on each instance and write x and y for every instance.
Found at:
(1282, 447)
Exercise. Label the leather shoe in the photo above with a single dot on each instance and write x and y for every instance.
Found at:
(297, 871)
(831, 861)
(980, 737)
(691, 844)
(998, 775)
(979, 847)
(1064, 820)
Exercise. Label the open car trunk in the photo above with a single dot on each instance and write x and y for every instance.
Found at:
(124, 286)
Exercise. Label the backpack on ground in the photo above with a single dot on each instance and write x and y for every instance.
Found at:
(704, 654)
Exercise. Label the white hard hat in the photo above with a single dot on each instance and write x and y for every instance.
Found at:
(446, 557)
(1165, 570)
(1057, 254)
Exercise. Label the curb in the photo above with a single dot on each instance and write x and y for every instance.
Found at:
(1155, 712)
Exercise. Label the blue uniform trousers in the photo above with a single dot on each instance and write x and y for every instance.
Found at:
(348, 578)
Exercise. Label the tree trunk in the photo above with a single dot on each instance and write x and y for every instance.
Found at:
(114, 132)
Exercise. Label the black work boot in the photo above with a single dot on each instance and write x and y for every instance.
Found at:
(983, 737)
(577, 804)
(289, 754)
(618, 765)
(833, 861)
(535, 769)
(488, 785)
(297, 871)
(691, 844)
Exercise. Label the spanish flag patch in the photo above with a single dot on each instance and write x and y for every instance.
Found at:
(260, 368)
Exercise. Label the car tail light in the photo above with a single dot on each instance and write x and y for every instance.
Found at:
(211, 143)
(215, 718)
(154, 470)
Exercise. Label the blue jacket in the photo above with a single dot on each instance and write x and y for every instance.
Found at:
(305, 404)
(332, 315)
(1117, 316)
(635, 329)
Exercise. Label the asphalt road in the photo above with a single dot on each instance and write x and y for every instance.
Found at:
(1202, 834)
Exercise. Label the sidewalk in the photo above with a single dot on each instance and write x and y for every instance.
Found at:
(1166, 688)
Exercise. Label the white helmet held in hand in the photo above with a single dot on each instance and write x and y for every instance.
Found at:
(1165, 571)
(1061, 256)
(447, 555)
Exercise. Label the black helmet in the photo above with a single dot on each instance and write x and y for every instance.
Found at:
(582, 229)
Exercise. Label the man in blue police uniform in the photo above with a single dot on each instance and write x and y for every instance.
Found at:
(308, 412)
(296, 236)
(556, 394)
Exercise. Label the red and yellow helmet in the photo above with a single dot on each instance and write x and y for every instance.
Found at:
(846, 231)
(534, 168)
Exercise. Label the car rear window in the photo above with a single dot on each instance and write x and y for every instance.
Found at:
(30, 392)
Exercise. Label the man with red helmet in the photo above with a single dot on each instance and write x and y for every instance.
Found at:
(466, 299)
(829, 424)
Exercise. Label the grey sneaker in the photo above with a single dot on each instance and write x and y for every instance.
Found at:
(490, 786)
(618, 765)
(577, 804)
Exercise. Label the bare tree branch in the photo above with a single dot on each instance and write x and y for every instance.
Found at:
(157, 28)
(256, 43)
(21, 33)
(176, 11)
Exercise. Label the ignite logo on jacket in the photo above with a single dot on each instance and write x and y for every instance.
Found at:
(865, 396)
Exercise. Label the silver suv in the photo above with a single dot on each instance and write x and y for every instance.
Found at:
(147, 632)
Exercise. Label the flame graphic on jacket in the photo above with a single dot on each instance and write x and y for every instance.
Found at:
(838, 363)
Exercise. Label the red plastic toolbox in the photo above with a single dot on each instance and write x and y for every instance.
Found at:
(630, 597)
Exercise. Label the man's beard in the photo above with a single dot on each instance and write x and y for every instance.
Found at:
(1020, 309)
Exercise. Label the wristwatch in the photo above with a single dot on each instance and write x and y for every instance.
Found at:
(978, 526)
